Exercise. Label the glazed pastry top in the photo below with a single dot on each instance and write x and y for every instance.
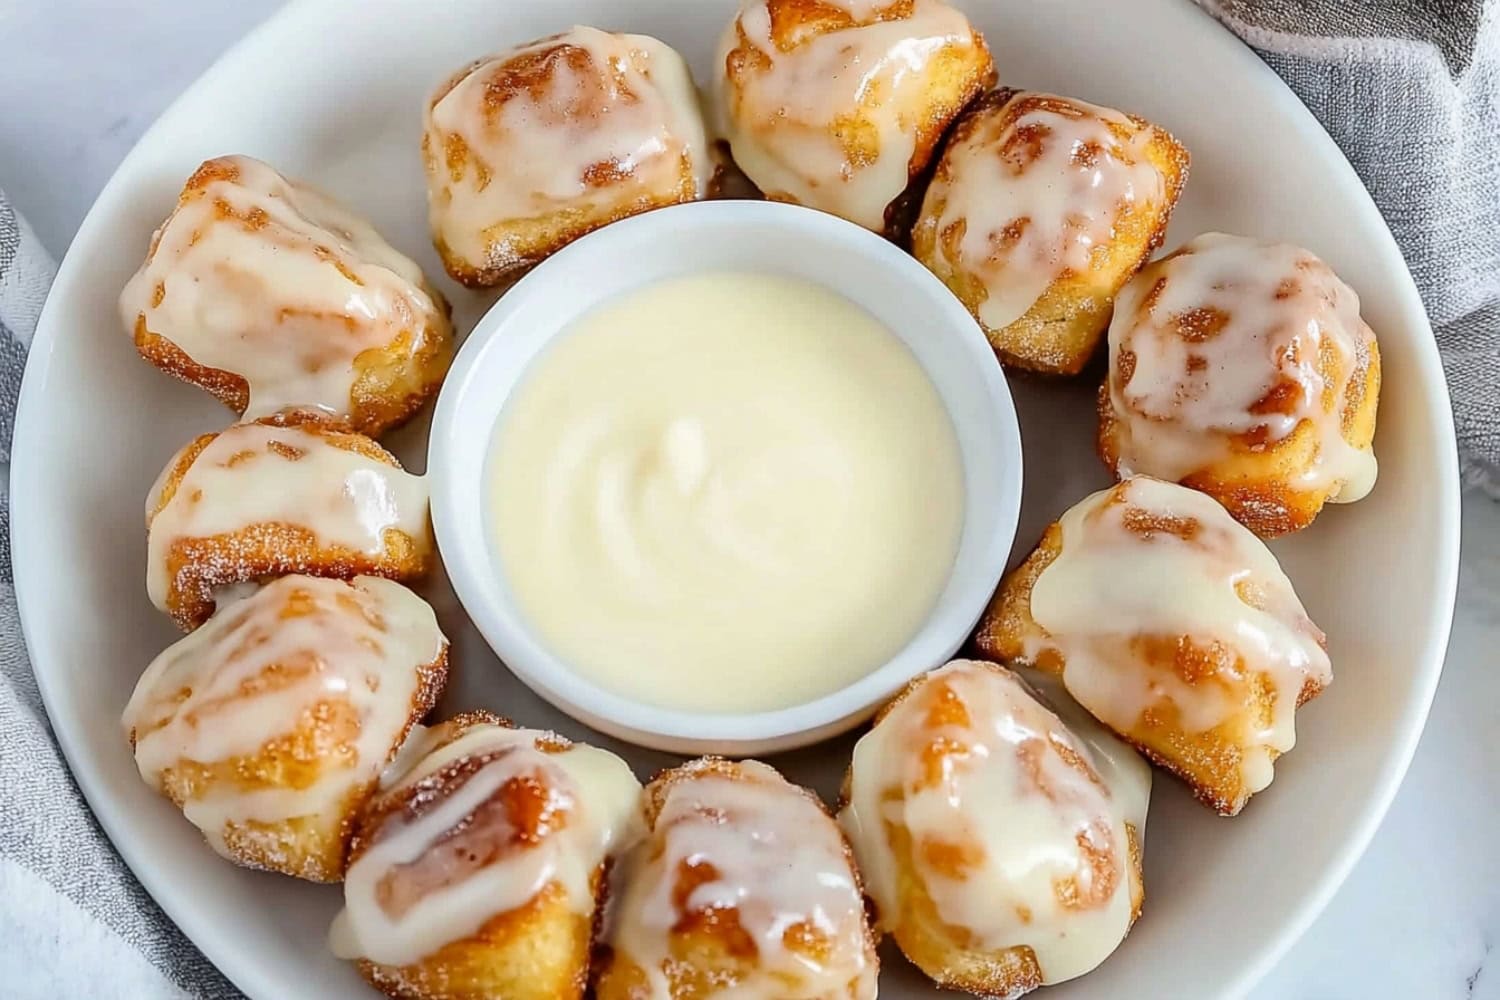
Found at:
(262, 277)
(801, 103)
(485, 820)
(1159, 601)
(1033, 190)
(566, 120)
(753, 844)
(302, 662)
(1016, 826)
(259, 473)
(1232, 337)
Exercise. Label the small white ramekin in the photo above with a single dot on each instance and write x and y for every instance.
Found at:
(717, 236)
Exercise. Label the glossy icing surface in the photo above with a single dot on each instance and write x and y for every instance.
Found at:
(751, 844)
(1033, 192)
(493, 816)
(268, 279)
(830, 118)
(302, 661)
(1148, 565)
(257, 473)
(1235, 342)
(1014, 826)
(576, 122)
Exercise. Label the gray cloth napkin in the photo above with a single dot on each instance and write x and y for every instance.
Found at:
(73, 922)
(1409, 88)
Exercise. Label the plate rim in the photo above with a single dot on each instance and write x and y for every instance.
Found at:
(239, 968)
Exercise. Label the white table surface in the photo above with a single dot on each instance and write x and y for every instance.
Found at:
(80, 80)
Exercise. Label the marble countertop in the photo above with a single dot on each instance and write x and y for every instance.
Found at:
(80, 80)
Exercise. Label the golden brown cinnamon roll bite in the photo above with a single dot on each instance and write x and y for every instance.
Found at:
(272, 295)
(276, 496)
(269, 725)
(840, 104)
(1001, 847)
(743, 887)
(477, 869)
(1171, 624)
(534, 147)
(1242, 368)
(1041, 207)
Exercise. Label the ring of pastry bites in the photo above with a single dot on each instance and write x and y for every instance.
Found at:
(271, 295)
(280, 496)
(743, 885)
(1040, 208)
(269, 726)
(1001, 847)
(1242, 368)
(530, 149)
(478, 869)
(840, 105)
(1173, 625)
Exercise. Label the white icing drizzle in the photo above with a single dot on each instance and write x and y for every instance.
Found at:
(262, 474)
(579, 122)
(992, 786)
(768, 852)
(1120, 577)
(262, 277)
(257, 672)
(1038, 184)
(410, 893)
(1283, 313)
(783, 122)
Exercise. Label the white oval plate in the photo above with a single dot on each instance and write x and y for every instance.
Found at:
(331, 91)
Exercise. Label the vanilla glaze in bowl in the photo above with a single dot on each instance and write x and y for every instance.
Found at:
(705, 238)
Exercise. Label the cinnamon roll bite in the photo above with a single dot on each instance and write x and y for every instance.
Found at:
(743, 887)
(1173, 625)
(840, 105)
(271, 295)
(478, 868)
(1242, 368)
(532, 148)
(1040, 208)
(280, 496)
(269, 726)
(1000, 845)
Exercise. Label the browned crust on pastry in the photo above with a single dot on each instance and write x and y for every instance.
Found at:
(392, 382)
(956, 76)
(1061, 331)
(314, 848)
(538, 951)
(1256, 483)
(1208, 762)
(196, 567)
(710, 950)
(517, 245)
(228, 388)
(947, 954)
(535, 952)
